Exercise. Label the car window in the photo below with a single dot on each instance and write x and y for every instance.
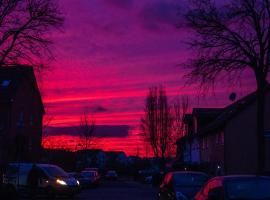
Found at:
(189, 179)
(88, 174)
(248, 188)
(12, 170)
(55, 171)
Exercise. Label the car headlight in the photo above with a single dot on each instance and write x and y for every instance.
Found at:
(61, 182)
(180, 196)
(78, 182)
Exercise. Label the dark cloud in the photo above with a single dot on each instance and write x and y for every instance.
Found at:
(99, 109)
(159, 13)
(125, 4)
(101, 131)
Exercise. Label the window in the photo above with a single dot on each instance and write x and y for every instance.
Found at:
(205, 143)
(31, 120)
(20, 121)
(267, 134)
(195, 121)
(220, 138)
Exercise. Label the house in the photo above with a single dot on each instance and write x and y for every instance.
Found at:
(21, 112)
(91, 158)
(227, 136)
(192, 144)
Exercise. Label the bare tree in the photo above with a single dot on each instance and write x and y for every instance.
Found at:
(180, 108)
(46, 122)
(156, 125)
(230, 39)
(86, 130)
(24, 28)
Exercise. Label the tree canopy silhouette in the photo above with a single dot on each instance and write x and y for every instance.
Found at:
(230, 38)
(86, 130)
(24, 30)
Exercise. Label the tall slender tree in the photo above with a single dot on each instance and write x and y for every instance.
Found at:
(230, 38)
(86, 130)
(156, 125)
(180, 108)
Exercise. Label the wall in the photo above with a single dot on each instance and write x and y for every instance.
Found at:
(240, 140)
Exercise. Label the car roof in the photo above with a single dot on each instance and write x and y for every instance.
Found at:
(240, 177)
(31, 164)
(189, 172)
(88, 171)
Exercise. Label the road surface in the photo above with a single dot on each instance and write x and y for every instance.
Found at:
(119, 190)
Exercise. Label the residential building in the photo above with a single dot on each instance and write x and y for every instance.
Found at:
(21, 112)
(227, 137)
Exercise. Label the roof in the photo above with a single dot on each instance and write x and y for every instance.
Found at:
(10, 79)
(202, 112)
(230, 111)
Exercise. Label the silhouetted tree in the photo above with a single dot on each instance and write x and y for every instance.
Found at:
(230, 38)
(24, 28)
(156, 125)
(180, 108)
(86, 130)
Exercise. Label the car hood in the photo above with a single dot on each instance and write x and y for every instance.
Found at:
(70, 181)
(188, 191)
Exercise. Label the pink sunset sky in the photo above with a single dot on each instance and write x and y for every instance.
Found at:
(109, 53)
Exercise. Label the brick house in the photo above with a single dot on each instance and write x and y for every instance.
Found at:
(21, 112)
(228, 140)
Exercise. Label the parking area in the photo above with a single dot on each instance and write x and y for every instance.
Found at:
(119, 190)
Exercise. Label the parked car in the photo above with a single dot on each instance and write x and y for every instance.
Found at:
(89, 178)
(111, 175)
(49, 180)
(148, 180)
(181, 185)
(235, 188)
(91, 169)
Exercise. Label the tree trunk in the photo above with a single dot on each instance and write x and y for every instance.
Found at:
(260, 126)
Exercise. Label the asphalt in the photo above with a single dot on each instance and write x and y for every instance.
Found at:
(119, 190)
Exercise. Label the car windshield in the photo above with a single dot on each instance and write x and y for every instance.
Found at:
(55, 171)
(186, 179)
(251, 189)
(88, 174)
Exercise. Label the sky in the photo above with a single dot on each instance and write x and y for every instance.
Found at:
(108, 55)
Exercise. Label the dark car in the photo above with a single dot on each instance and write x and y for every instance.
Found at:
(181, 185)
(111, 175)
(50, 180)
(236, 188)
(89, 178)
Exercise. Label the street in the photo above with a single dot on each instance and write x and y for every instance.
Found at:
(119, 190)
